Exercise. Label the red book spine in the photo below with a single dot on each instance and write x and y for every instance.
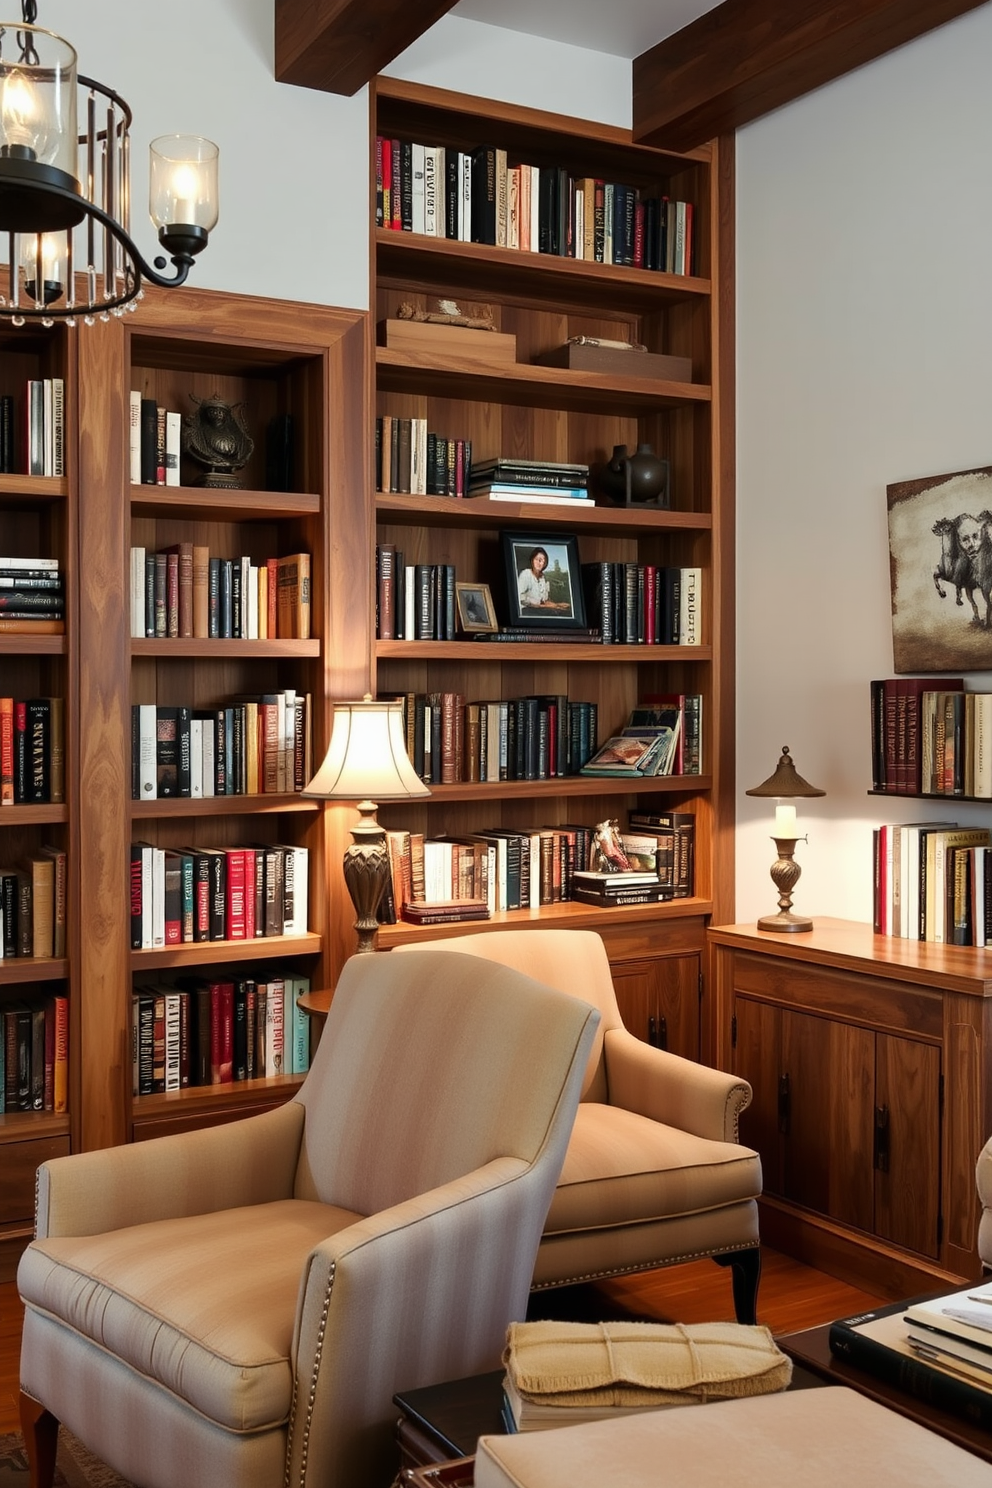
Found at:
(249, 857)
(234, 918)
(650, 603)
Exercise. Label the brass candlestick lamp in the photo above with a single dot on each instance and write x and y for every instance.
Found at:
(785, 783)
(367, 758)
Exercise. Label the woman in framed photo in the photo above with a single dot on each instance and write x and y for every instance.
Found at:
(542, 580)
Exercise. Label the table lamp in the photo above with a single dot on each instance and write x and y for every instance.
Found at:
(784, 784)
(367, 762)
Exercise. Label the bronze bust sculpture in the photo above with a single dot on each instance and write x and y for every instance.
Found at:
(217, 438)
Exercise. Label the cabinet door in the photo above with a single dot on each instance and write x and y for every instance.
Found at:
(758, 1059)
(907, 1145)
(828, 1070)
(659, 1002)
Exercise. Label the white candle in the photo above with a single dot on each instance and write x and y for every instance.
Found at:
(785, 821)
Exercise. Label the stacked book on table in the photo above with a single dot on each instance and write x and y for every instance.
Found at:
(938, 1349)
(542, 481)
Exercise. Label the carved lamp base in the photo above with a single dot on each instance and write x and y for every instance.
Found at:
(785, 873)
(366, 873)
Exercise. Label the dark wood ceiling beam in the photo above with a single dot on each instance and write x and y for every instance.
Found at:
(747, 57)
(339, 45)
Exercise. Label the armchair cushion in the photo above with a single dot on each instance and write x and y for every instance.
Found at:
(152, 1295)
(622, 1168)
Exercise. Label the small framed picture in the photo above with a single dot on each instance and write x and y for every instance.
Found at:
(543, 581)
(476, 614)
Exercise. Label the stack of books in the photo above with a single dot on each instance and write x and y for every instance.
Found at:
(662, 736)
(32, 597)
(936, 1349)
(541, 481)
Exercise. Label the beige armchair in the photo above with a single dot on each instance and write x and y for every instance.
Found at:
(983, 1177)
(654, 1173)
(238, 1305)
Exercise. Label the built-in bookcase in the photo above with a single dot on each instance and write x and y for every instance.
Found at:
(529, 410)
(278, 361)
(38, 518)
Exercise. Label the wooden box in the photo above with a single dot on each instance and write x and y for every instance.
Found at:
(424, 336)
(613, 362)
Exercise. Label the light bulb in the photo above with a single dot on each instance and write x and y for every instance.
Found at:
(23, 121)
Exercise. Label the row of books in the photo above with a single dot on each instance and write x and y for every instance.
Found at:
(182, 591)
(931, 882)
(483, 196)
(500, 868)
(255, 746)
(33, 899)
(32, 750)
(31, 588)
(937, 1349)
(154, 443)
(643, 604)
(535, 737)
(547, 481)
(412, 460)
(194, 894)
(44, 427)
(34, 1055)
(414, 601)
(203, 1032)
(663, 736)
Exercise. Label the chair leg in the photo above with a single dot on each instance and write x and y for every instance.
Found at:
(40, 1430)
(746, 1266)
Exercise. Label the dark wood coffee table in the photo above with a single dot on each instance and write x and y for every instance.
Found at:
(811, 1350)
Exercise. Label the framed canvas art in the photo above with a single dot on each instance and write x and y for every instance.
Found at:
(940, 563)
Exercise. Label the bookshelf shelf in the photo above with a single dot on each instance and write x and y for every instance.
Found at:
(558, 916)
(43, 811)
(480, 511)
(532, 411)
(559, 651)
(225, 506)
(276, 803)
(33, 969)
(211, 952)
(439, 265)
(211, 1096)
(15, 1126)
(25, 489)
(17, 644)
(183, 647)
(530, 386)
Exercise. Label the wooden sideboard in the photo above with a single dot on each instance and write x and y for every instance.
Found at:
(870, 1059)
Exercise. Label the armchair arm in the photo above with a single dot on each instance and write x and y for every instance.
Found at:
(676, 1091)
(220, 1167)
(418, 1293)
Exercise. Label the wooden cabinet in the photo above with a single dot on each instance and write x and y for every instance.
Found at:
(276, 359)
(869, 1062)
(527, 409)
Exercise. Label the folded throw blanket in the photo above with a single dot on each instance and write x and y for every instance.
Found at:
(631, 1364)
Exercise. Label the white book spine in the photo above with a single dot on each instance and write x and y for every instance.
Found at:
(172, 1041)
(58, 426)
(147, 761)
(431, 205)
(158, 896)
(137, 592)
(274, 1029)
(147, 875)
(288, 718)
(409, 602)
(465, 197)
(252, 631)
(417, 191)
(173, 425)
(134, 438)
(196, 757)
(690, 619)
(209, 756)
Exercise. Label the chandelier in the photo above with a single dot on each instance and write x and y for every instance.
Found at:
(65, 198)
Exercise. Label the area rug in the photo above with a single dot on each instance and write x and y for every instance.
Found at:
(75, 1466)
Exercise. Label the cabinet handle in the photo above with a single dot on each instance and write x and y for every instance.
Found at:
(784, 1104)
(882, 1138)
(653, 1032)
(662, 1039)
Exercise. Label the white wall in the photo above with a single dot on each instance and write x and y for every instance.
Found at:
(864, 333)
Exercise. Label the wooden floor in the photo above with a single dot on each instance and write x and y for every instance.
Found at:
(792, 1297)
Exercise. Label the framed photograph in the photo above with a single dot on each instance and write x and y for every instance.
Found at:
(476, 614)
(940, 564)
(543, 581)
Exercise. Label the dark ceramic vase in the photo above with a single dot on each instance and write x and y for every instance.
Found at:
(640, 479)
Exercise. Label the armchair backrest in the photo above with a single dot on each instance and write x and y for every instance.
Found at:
(421, 1078)
(573, 961)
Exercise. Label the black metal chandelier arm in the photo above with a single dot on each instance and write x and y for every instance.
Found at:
(183, 261)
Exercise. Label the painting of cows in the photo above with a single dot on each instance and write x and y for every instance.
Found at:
(940, 559)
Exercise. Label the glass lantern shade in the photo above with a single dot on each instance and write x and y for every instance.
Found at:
(38, 99)
(182, 189)
(46, 252)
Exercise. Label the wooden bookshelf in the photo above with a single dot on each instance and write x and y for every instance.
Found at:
(539, 412)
